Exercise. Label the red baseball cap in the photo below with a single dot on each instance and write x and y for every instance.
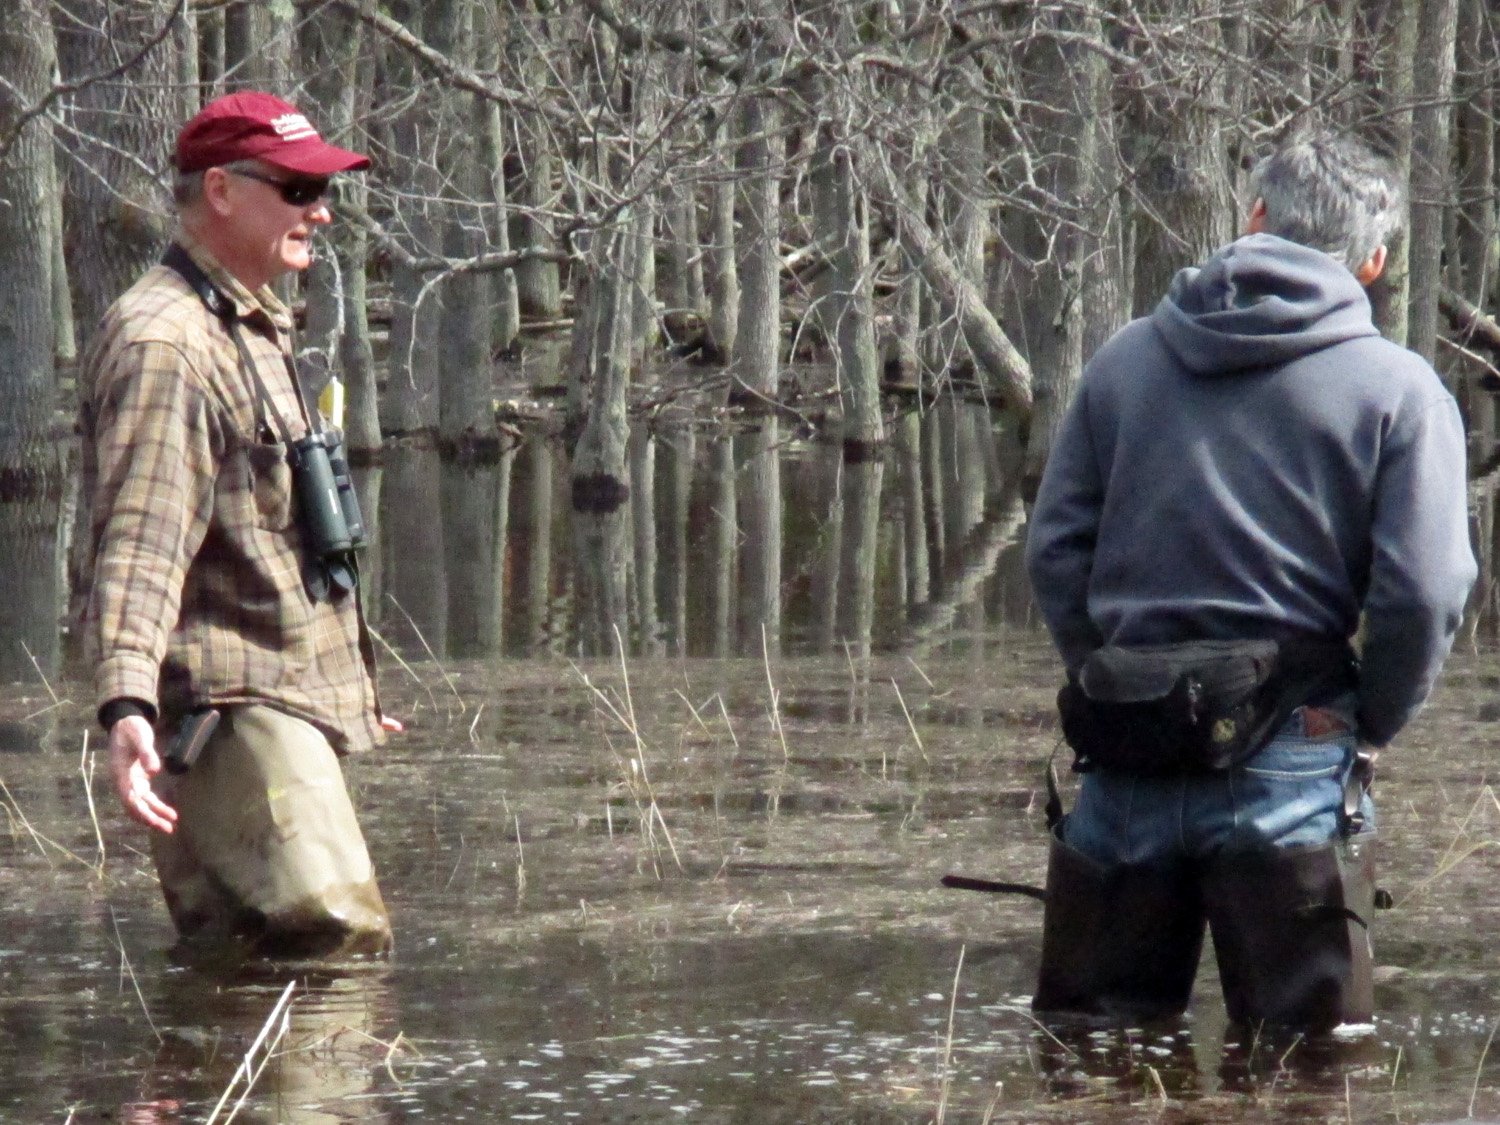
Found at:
(256, 126)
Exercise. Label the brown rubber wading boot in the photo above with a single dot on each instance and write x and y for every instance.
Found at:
(1121, 942)
(1291, 932)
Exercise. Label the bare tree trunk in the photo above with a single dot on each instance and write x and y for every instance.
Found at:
(904, 365)
(720, 252)
(1391, 296)
(755, 364)
(466, 391)
(1003, 366)
(1188, 201)
(337, 320)
(258, 47)
(31, 467)
(116, 210)
(490, 132)
(961, 191)
(538, 283)
(600, 481)
(1068, 143)
(412, 383)
(1430, 169)
(843, 231)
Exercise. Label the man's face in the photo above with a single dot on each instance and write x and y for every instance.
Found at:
(268, 216)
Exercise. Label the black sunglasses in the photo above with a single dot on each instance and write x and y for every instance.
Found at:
(298, 193)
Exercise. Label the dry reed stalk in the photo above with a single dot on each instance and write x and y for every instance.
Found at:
(636, 778)
(918, 668)
(447, 679)
(126, 967)
(723, 710)
(640, 753)
(280, 1017)
(520, 862)
(13, 810)
(1161, 1089)
(405, 667)
(765, 653)
(1478, 1070)
(42, 675)
(947, 1081)
(86, 770)
(917, 738)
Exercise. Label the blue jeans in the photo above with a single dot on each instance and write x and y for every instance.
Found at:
(1290, 793)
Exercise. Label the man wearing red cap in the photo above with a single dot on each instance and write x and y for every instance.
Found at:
(213, 587)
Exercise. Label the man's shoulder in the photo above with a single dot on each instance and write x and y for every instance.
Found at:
(159, 312)
(159, 308)
(1126, 349)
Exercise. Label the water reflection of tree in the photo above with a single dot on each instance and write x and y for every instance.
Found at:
(28, 588)
(414, 567)
(708, 553)
(760, 517)
(476, 499)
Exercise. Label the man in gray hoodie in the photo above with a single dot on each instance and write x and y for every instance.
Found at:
(1250, 463)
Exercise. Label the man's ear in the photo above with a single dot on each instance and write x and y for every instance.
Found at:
(1372, 268)
(216, 190)
(1255, 222)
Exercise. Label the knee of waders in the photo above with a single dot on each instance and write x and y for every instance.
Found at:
(1291, 932)
(1118, 942)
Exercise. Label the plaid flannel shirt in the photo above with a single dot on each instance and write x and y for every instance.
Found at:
(194, 575)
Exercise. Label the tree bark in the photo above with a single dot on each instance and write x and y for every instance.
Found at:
(755, 362)
(1430, 170)
(1004, 368)
(116, 211)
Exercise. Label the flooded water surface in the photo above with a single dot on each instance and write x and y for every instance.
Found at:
(664, 837)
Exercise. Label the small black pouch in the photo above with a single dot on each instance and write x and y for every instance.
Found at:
(1170, 709)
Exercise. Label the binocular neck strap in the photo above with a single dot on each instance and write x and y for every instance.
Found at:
(178, 259)
(247, 361)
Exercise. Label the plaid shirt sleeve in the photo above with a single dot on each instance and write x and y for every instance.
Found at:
(158, 450)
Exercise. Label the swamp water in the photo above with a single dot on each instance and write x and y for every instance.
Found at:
(699, 882)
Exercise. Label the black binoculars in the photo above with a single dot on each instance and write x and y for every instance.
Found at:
(327, 505)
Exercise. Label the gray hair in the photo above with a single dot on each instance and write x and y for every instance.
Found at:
(187, 187)
(1333, 192)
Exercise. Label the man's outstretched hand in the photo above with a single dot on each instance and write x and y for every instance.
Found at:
(133, 761)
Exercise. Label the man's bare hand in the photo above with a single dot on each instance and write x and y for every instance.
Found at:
(133, 761)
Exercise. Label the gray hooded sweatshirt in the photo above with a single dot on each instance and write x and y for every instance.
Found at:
(1254, 461)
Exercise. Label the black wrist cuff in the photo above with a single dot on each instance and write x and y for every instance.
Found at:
(116, 709)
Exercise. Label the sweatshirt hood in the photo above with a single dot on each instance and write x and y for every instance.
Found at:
(1261, 301)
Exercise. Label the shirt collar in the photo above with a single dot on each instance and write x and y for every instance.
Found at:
(247, 305)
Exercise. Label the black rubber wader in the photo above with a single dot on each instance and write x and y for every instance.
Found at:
(1291, 932)
(1120, 943)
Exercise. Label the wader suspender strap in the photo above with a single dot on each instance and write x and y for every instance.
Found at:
(178, 259)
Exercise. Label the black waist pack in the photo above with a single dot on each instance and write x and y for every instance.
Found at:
(1192, 707)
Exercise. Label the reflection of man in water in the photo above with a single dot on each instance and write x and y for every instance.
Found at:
(1250, 463)
(202, 591)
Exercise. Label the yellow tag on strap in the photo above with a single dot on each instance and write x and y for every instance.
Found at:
(331, 403)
